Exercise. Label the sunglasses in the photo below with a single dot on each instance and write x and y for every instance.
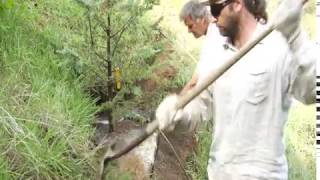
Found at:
(217, 8)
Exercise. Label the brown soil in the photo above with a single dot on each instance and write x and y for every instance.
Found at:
(151, 84)
(163, 72)
(166, 165)
(168, 72)
(148, 85)
(163, 56)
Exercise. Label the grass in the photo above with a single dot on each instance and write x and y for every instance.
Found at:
(300, 141)
(46, 68)
(197, 164)
(45, 115)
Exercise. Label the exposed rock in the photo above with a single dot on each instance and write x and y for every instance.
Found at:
(139, 161)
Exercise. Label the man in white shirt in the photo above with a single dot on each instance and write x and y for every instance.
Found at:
(196, 16)
(253, 97)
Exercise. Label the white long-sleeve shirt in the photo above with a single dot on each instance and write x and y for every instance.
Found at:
(206, 57)
(204, 66)
(252, 100)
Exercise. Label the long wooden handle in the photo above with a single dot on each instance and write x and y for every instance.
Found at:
(151, 127)
(184, 100)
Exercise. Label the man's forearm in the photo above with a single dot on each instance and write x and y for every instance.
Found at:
(190, 84)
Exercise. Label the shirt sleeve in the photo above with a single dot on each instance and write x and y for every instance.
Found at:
(303, 77)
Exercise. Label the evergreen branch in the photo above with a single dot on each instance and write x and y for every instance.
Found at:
(102, 24)
(90, 29)
(102, 58)
(124, 27)
(120, 35)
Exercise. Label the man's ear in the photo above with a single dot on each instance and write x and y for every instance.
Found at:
(237, 5)
(203, 20)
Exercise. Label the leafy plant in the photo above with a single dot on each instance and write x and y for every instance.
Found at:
(45, 115)
(6, 4)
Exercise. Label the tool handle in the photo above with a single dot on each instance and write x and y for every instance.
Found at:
(151, 127)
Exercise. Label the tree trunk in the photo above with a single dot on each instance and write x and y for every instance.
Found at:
(109, 58)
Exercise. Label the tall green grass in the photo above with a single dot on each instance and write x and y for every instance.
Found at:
(196, 165)
(45, 115)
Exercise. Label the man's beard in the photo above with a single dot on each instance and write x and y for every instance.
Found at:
(231, 29)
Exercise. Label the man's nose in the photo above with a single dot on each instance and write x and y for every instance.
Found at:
(215, 19)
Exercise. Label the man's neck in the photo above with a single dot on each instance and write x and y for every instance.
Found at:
(246, 28)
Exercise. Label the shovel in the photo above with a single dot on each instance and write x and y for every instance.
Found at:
(113, 148)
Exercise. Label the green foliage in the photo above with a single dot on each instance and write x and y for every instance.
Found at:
(113, 173)
(133, 46)
(4, 169)
(47, 61)
(300, 140)
(45, 115)
(6, 4)
(197, 164)
(136, 64)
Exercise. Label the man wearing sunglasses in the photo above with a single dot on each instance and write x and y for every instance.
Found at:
(253, 97)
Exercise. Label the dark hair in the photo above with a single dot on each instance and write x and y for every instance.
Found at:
(258, 9)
